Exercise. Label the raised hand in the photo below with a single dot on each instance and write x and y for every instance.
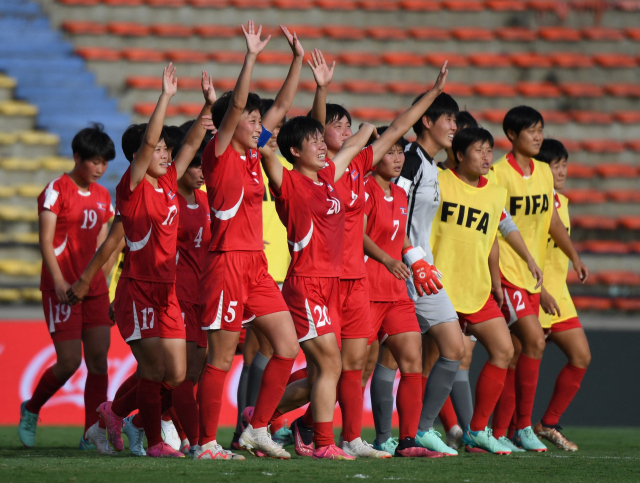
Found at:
(207, 88)
(294, 43)
(207, 123)
(322, 73)
(442, 77)
(169, 80)
(254, 44)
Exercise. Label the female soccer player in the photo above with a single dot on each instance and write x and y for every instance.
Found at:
(559, 318)
(529, 185)
(73, 214)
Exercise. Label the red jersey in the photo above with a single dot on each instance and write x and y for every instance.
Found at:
(386, 226)
(235, 191)
(81, 215)
(194, 236)
(351, 189)
(150, 222)
(313, 213)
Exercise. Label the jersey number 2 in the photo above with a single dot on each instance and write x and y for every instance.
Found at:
(520, 305)
(323, 315)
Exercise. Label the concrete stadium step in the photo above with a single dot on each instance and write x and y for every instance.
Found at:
(599, 263)
(7, 85)
(17, 116)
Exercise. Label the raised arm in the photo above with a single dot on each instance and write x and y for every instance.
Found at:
(352, 146)
(194, 137)
(323, 74)
(272, 166)
(284, 99)
(47, 228)
(559, 234)
(241, 90)
(408, 118)
(143, 155)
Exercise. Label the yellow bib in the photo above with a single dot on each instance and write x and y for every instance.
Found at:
(530, 202)
(115, 276)
(556, 266)
(462, 235)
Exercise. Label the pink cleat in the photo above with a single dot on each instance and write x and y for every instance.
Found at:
(471, 449)
(331, 452)
(300, 446)
(113, 422)
(418, 452)
(163, 450)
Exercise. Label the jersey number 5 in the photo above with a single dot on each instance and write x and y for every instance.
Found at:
(231, 313)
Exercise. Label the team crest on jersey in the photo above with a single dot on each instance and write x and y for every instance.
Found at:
(354, 175)
(253, 154)
(102, 206)
(403, 210)
(171, 195)
(209, 217)
(330, 187)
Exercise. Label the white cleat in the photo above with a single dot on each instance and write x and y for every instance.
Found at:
(259, 439)
(213, 451)
(454, 437)
(98, 437)
(136, 437)
(185, 447)
(170, 435)
(362, 449)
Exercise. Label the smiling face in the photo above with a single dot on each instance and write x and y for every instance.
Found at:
(159, 161)
(312, 154)
(248, 131)
(442, 131)
(477, 158)
(391, 163)
(90, 170)
(336, 132)
(529, 140)
(559, 171)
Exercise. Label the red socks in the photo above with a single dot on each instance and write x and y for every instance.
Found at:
(186, 408)
(409, 404)
(272, 386)
(488, 388)
(448, 416)
(150, 409)
(95, 393)
(350, 400)
(211, 389)
(323, 434)
(505, 406)
(566, 387)
(127, 402)
(297, 375)
(527, 372)
(47, 387)
(128, 384)
(176, 423)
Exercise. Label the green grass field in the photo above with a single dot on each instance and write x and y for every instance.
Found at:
(611, 454)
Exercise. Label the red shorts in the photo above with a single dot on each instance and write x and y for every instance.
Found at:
(238, 288)
(489, 310)
(314, 304)
(66, 322)
(391, 318)
(147, 309)
(518, 303)
(191, 314)
(356, 318)
(572, 323)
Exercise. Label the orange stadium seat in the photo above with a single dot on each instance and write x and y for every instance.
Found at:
(594, 222)
(83, 27)
(530, 60)
(336, 4)
(570, 59)
(615, 60)
(627, 117)
(494, 89)
(209, 3)
(591, 117)
(269, 85)
(79, 3)
(572, 278)
(306, 31)
(143, 55)
(616, 170)
(628, 305)
(224, 84)
(603, 146)
(217, 31)
(633, 145)
(274, 57)
(555, 117)
(506, 5)
(102, 54)
(634, 247)
(605, 246)
(386, 33)
(166, 3)
(374, 114)
(472, 34)
(582, 171)
(455, 60)
(618, 277)
(463, 5)
(602, 33)
(429, 33)
(489, 59)
(624, 196)
(543, 5)
(585, 195)
(559, 34)
(630, 223)
(581, 89)
(538, 89)
(378, 5)
(633, 33)
(572, 145)
(516, 34)
(128, 29)
(123, 3)
(250, 4)
(291, 4)
(172, 30)
(409, 87)
(456, 89)
(502, 143)
(190, 109)
(343, 32)
(146, 109)
(592, 303)
(328, 57)
(364, 87)
(145, 82)
(359, 59)
(403, 59)
(494, 116)
(186, 56)
(420, 5)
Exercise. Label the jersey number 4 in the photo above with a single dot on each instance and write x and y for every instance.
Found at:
(198, 239)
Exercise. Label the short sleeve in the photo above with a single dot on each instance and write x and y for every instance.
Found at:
(332, 170)
(407, 178)
(124, 194)
(51, 198)
(171, 178)
(286, 187)
(364, 160)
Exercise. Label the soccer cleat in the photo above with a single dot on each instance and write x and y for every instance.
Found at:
(86, 445)
(302, 434)
(527, 440)
(27, 426)
(185, 447)
(135, 436)
(170, 435)
(389, 445)
(258, 439)
(192, 450)
(504, 441)
(213, 451)
(431, 440)
(484, 440)
(234, 441)
(114, 425)
(163, 450)
(284, 436)
(98, 437)
(362, 449)
(454, 437)
(408, 448)
(331, 452)
(554, 434)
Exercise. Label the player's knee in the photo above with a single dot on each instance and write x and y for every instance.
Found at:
(290, 351)
(581, 360)
(68, 364)
(502, 355)
(97, 363)
(411, 365)
(453, 353)
(535, 347)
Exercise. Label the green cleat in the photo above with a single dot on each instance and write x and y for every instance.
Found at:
(86, 445)
(431, 440)
(504, 441)
(389, 445)
(527, 440)
(484, 440)
(284, 436)
(27, 426)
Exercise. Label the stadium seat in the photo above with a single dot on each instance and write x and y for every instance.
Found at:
(373, 114)
(616, 170)
(30, 190)
(166, 3)
(145, 109)
(274, 57)
(634, 247)
(502, 143)
(618, 277)
(627, 117)
(603, 146)
(592, 303)
(538, 89)
(224, 84)
(403, 59)
(189, 56)
(146, 83)
(386, 33)
(633, 33)
(409, 87)
(7, 191)
(630, 222)
(268, 85)
(494, 116)
(530, 60)
(494, 89)
(633, 145)
(80, 3)
(456, 89)
(572, 278)
(555, 117)
(542, 5)
(31, 295)
(559, 34)
(455, 60)
(291, 5)
(216, 31)
(627, 305)
(103, 54)
(343, 32)
(429, 33)
(361, 86)
(171, 30)
(594, 222)
(306, 31)
(359, 59)
(591, 117)
(228, 57)
(472, 34)
(128, 29)
(250, 4)
(614, 60)
(516, 34)
(506, 5)
(84, 27)
(55, 163)
(378, 5)
(190, 109)
(489, 59)
(143, 55)
(602, 34)
(569, 60)
(420, 5)
(336, 4)
(605, 246)
(624, 196)
(463, 5)
(585, 195)
(123, 3)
